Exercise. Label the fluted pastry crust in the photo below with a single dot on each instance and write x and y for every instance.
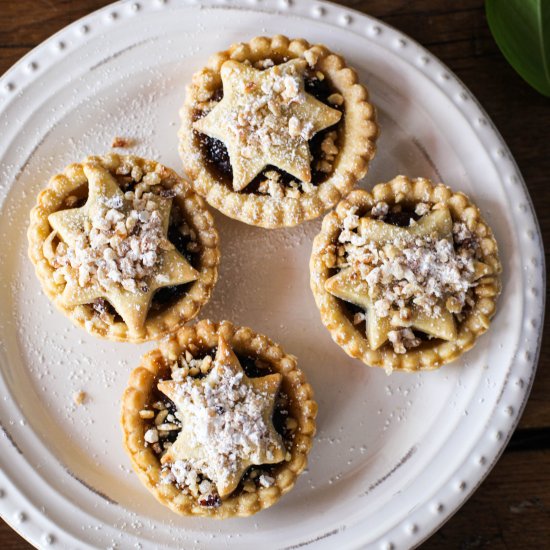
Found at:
(432, 353)
(358, 132)
(159, 323)
(201, 337)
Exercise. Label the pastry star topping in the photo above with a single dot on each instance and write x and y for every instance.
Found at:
(266, 118)
(226, 421)
(358, 284)
(97, 265)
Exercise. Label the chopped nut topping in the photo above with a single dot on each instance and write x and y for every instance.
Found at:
(324, 166)
(252, 123)
(328, 146)
(264, 64)
(291, 424)
(206, 364)
(379, 210)
(191, 481)
(161, 416)
(168, 427)
(227, 419)
(421, 209)
(272, 186)
(71, 201)
(465, 238)
(266, 481)
(311, 57)
(151, 435)
(329, 150)
(294, 126)
(402, 340)
(265, 117)
(359, 318)
(122, 244)
(382, 307)
(336, 99)
(426, 273)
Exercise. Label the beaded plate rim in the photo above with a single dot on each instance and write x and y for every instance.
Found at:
(34, 525)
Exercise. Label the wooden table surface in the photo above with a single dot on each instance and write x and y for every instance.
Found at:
(512, 507)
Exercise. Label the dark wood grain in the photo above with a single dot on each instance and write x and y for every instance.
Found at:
(512, 507)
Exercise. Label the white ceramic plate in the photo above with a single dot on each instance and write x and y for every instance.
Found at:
(394, 456)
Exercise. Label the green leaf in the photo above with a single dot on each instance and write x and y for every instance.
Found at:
(521, 28)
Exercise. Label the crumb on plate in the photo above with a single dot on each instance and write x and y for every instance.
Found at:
(80, 397)
(122, 142)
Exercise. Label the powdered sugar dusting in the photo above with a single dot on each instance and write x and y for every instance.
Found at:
(421, 270)
(424, 272)
(261, 120)
(120, 243)
(224, 418)
(263, 283)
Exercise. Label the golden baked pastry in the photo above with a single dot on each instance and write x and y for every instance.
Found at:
(123, 247)
(275, 131)
(407, 276)
(218, 421)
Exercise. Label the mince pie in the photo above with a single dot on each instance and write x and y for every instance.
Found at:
(124, 247)
(275, 131)
(218, 421)
(407, 276)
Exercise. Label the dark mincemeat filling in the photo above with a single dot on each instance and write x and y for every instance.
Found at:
(168, 295)
(401, 219)
(216, 155)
